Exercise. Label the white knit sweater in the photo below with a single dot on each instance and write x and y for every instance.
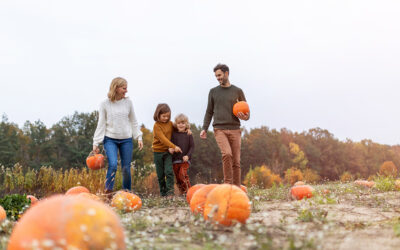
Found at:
(117, 120)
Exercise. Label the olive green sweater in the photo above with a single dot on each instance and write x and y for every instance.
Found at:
(220, 106)
(162, 133)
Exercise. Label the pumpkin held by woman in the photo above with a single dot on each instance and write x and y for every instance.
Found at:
(95, 161)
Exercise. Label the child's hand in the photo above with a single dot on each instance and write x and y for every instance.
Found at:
(171, 150)
(178, 149)
(189, 132)
(185, 158)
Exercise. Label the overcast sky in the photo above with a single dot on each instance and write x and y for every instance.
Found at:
(301, 64)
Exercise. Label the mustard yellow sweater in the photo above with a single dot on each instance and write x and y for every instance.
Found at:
(162, 133)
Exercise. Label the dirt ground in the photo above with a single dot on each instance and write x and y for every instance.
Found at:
(347, 218)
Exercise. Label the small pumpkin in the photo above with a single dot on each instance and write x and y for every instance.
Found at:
(95, 161)
(63, 221)
(199, 198)
(192, 190)
(126, 201)
(397, 184)
(299, 183)
(227, 204)
(77, 190)
(302, 191)
(326, 191)
(33, 199)
(241, 106)
(3, 214)
(364, 183)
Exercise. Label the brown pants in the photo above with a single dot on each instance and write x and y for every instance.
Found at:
(229, 142)
(182, 178)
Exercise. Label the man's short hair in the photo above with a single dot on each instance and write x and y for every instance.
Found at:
(223, 67)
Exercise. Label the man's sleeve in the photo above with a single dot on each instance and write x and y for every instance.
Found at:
(241, 96)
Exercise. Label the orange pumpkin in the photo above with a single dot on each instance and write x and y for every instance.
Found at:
(326, 191)
(299, 183)
(241, 107)
(364, 183)
(227, 204)
(192, 190)
(126, 201)
(397, 184)
(199, 198)
(299, 192)
(32, 198)
(77, 190)
(95, 161)
(62, 222)
(244, 188)
(3, 214)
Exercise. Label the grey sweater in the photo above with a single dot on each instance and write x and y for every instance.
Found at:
(220, 106)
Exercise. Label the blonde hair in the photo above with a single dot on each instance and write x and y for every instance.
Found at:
(115, 83)
(182, 118)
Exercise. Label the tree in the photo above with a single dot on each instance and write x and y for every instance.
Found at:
(300, 160)
(388, 169)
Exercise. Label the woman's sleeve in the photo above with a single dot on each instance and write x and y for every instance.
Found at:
(136, 133)
(101, 126)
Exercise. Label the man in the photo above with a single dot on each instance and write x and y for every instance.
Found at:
(226, 125)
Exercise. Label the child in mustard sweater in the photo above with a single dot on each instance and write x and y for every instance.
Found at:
(162, 133)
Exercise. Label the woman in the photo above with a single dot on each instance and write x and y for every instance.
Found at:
(116, 127)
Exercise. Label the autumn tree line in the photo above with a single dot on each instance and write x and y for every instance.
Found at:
(67, 143)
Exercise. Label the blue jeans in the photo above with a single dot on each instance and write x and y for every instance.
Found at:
(125, 147)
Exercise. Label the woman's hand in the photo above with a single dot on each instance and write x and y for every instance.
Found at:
(178, 149)
(171, 150)
(96, 149)
(185, 158)
(140, 144)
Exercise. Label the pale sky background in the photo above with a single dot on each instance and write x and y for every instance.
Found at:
(301, 64)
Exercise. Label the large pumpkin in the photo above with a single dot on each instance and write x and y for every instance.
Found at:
(192, 190)
(32, 198)
(126, 201)
(226, 204)
(301, 191)
(199, 198)
(241, 107)
(95, 161)
(3, 214)
(68, 222)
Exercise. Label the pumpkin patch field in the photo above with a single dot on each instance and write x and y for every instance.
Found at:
(337, 216)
